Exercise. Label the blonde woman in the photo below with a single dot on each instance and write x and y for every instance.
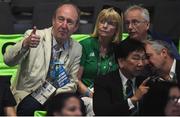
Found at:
(98, 53)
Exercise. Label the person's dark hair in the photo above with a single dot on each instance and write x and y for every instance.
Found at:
(56, 103)
(154, 102)
(127, 46)
(68, 3)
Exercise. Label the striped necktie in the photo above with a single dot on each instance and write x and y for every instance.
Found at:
(129, 94)
(129, 89)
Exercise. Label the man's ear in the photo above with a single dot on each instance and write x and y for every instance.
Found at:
(121, 62)
(76, 27)
(53, 20)
(148, 26)
(164, 52)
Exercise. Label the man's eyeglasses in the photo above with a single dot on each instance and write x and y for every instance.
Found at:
(134, 22)
(175, 99)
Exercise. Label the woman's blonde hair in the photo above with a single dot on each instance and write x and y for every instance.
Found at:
(113, 15)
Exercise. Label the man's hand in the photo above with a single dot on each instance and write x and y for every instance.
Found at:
(32, 41)
(9, 111)
(142, 89)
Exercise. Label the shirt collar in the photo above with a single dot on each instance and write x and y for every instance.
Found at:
(173, 67)
(124, 79)
(56, 45)
(149, 37)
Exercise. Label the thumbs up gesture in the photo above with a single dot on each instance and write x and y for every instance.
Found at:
(32, 41)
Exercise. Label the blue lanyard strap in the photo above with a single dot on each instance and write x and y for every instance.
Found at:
(57, 74)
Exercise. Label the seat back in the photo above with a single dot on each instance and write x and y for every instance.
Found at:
(42, 14)
(5, 42)
(6, 20)
(167, 19)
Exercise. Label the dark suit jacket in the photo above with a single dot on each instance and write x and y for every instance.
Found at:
(108, 96)
(155, 100)
(178, 71)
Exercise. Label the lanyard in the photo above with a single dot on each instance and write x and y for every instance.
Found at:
(56, 64)
(57, 54)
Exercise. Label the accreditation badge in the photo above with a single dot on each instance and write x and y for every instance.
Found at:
(43, 93)
(62, 79)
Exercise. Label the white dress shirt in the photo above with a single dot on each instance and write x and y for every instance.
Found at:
(124, 80)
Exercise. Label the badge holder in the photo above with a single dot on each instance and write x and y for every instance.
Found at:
(43, 93)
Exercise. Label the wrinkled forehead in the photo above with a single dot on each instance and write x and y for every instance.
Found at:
(134, 14)
(67, 9)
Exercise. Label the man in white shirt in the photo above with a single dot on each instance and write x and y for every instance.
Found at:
(117, 93)
(160, 56)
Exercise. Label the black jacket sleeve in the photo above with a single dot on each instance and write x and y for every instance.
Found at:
(108, 97)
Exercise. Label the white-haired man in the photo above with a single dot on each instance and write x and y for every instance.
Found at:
(137, 22)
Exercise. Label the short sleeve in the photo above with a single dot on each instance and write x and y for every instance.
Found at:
(83, 57)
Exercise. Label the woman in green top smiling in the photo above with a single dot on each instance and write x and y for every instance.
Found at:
(98, 55)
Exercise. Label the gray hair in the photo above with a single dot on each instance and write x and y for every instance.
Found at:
(145, 12)
(158, 45)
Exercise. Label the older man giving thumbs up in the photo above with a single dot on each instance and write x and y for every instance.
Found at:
(49, 61)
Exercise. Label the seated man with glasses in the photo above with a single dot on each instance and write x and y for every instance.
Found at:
(137, 22)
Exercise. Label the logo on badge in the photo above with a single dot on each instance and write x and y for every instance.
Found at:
(91, 54)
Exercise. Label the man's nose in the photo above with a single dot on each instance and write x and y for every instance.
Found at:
(64, 24)
(130, 26)
(141, 63)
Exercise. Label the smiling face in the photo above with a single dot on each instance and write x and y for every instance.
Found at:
(65, 22)
(136, 25)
